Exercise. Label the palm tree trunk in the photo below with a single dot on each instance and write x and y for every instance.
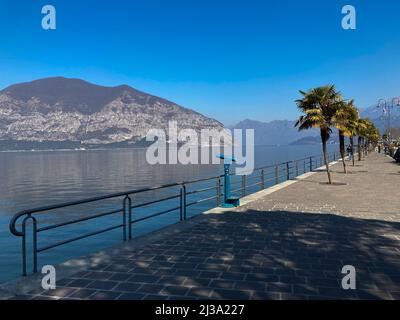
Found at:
(324, 138)
(352, 149)
(365, 147)
(342, 151)
(359, 148)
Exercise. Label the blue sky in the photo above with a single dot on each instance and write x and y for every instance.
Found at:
(230, 60)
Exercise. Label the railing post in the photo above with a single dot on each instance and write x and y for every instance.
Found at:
(276, 174)
(304, 164)
(24, 273)
(243, 185)
(184, 201)
(287, 171)
(310, 164)
(181, 205)
(124, 219)
(262, 179)
(35, 258)
(130, 218)
(297, 168)
(128, 210)
(34, 245)
(218, 192)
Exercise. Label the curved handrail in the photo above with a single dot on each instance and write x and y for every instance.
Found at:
(28, 212)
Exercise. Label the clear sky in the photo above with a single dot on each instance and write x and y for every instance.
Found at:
(230, 60)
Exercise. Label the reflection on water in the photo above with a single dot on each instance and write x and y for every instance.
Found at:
(31, 179)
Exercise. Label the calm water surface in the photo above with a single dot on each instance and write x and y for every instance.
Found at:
(31, 179)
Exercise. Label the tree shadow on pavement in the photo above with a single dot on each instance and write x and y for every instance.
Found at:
(253, 255)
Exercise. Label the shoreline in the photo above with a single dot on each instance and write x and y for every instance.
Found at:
(143, 148)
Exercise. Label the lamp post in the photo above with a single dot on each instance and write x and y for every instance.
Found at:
(382, 103)
(395, 102)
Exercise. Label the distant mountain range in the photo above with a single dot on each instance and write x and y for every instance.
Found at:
(283, 132)
(72, 113)
(61, 110)
(309, 140)
(278, 132)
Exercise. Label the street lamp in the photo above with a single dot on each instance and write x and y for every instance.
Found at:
(382, 103)
(386, 110)
(396, 101)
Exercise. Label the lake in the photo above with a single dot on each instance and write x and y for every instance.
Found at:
(32, 179)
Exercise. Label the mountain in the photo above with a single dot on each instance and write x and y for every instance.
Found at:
(307, 141)
(62, 109)
(278, 132)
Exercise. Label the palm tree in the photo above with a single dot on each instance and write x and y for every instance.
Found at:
(352, 149)
(374, 136)
(344, 121)
(352, 126)
(371, 134)
(319, 106)
(362, 126)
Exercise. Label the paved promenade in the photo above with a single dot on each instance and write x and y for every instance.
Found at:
(290, 244)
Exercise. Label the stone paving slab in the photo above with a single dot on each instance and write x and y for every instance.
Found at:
(290, 244)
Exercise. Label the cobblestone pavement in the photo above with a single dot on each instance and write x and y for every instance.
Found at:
(291, 244)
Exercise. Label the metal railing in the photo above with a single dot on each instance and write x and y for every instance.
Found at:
(268, 176)
(265, 176)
